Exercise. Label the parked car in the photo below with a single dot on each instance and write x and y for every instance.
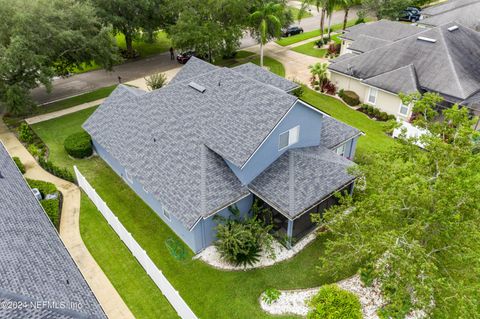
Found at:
(411, 14)
(185, 56)
(292, 31)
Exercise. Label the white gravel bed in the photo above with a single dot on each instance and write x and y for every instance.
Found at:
(295, 301)
(211, 256)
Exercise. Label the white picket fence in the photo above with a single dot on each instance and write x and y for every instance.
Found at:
(156, 274)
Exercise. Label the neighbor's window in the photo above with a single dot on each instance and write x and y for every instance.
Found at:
(404, 109)
(372, 96)
(289, 137)
(341, 150)
(166, 214)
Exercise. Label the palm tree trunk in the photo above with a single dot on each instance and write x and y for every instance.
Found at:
(345, 18)
(322, 22)
(330, 24)
(261, 54)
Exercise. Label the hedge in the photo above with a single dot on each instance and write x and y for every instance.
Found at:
(78, 145)
(376, 113)
(333, 302)
(349, 97)
(62, 173)
(52, 208)
(19, 164)
(45, 188)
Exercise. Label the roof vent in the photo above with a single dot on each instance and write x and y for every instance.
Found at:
(197, 87)
(427, 39)
(1, 176)
(453, 28)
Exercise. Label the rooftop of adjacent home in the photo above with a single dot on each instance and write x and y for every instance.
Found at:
(175, 141)
(35, 266)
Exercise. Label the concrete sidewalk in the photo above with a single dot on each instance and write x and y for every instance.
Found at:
(109, 299)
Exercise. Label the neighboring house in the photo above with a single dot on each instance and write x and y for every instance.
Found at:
(39, 279)
(217, 137)
(364, 37)
(442, 60)
(464, 12)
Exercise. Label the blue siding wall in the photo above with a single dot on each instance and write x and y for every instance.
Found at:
(202, 235)
(310, 122)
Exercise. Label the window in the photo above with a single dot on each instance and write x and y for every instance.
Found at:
(372, 96)
(341, 150)
(289, 137)
(404, 109)
(166, 214)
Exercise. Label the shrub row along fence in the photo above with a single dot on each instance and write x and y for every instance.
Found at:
(180, 306)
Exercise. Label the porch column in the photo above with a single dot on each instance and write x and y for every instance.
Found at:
(289, 233)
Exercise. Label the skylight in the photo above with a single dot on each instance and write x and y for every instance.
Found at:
(453, 28)
(197, 87)
(427, 39)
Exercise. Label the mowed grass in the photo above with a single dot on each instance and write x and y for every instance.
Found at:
(374, 140)
(312, 34)
(310, 49)
(209, 292)
(295, 13)
(243, 57)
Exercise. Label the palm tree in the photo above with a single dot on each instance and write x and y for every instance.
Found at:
(319, 72)
(346, 5)
(330, 8)
(319, 4)
(267, 24)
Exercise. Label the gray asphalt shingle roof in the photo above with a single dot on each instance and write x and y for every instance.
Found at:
(300, 178)
(365, 43)
(334, 132)
(260, 74)
(34, 263)
(468, 16)
(382, 30)
(168, 139)
(446, 6)
(448, 66)
(193, 68)
(399, 80)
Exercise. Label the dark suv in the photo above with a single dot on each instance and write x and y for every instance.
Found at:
(292, 31)
(185, 56)
(411, 14)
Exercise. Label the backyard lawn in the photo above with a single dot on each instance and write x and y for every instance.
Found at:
(246, 56)
(210, 293)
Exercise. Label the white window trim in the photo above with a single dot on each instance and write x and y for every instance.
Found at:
(344, 149)
(128, 177)
(369, 93)
(166, 214)
(400, 108)
(290, 143)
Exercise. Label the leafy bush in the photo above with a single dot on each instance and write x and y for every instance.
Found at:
(156, 81)
(241, 240)
(298, 92)
(19, 164)
(25, 133)
(45, 188)
(52, 208)
(328, 87)
(33, 149)
(271, 295)
(62, 173)
(333, 302)
(78, 145)
(376, 113)
(349, 97)
(333, 50)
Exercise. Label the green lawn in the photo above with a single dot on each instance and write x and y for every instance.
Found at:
(160, 44)
(311, 34)
(375, 140)
(245, 57)
(209, 292)
(310, 49)
(296, 11)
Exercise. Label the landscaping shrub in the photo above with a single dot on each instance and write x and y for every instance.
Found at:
(349, 97)
(298, 92)
(78, 145)
(328, 87)
(156, 81)
(19, 164)
(333, 302)
(62, 173)
(25, 133)
(45, 188)
(271, 295)
(52, 208)
(374, 112)
(333, 50)
(241, 240)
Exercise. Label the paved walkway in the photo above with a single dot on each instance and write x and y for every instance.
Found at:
(109, 299)
(73, 109)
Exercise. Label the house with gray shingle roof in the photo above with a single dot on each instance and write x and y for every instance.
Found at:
(39, 279)
(442, 59)
(216, 137)
(465, 12)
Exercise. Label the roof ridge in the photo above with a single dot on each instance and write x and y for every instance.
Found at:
(450, 60)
